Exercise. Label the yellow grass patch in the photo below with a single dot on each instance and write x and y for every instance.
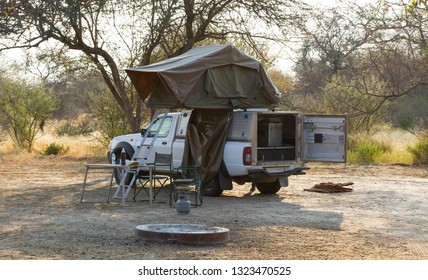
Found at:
(399, 140)
(78, 146)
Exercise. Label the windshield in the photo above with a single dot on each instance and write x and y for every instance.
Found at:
(163, 130)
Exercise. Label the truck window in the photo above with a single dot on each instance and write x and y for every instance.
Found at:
(164, 130)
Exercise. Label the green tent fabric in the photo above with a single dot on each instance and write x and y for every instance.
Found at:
(205, 139)
(211, 80)
(216, 77)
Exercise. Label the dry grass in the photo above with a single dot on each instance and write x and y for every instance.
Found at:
(78, 146)
(398, 140)
(88, 146)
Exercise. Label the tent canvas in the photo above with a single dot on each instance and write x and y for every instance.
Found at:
(205, 139)
(212, 80)
(218, 77)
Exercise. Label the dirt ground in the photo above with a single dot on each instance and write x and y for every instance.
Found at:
(384, 217)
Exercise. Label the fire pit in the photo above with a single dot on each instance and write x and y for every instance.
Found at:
(190, 234)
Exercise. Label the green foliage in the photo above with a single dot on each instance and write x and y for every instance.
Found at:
(110, 119)
(367, 151)
(412, 5)
(420, 151)
(411, 114)
(55, 149)
(74, 128)
(358, 98)
(355, 97)
(24, 109)
(2, 133)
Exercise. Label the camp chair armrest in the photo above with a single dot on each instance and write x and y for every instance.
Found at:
(185, 168)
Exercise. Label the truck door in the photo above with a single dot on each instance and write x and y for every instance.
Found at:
(159, 138)
(324, 138)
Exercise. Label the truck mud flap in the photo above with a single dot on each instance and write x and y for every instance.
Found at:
(224, 178)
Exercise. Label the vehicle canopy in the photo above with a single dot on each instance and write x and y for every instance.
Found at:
(212, 80)
(218, 76)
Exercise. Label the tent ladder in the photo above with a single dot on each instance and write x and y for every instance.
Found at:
(148, 147)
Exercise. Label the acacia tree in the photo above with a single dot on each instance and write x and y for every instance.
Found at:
(115, 34)
(331, 38)
(398, 56)
(352, 49)
(23, 111)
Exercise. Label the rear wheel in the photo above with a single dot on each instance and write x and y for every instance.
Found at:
(269, 188)
(212, 188)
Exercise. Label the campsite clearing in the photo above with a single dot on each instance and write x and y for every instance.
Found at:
(384, 217)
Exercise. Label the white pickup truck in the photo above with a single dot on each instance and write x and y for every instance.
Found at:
(262, 147)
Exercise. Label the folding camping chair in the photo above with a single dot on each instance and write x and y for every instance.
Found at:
(188, 182)
(161, 170)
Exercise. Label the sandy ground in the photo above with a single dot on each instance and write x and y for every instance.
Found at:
(384, 217)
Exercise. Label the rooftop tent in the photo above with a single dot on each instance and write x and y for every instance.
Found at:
(206, 77)
(212, 80)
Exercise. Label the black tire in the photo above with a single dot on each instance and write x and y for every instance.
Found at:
(129, 154)
(118, 149)
(212, 188)
(269, 188)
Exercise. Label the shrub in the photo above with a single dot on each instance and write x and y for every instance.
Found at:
(55, 149)
(368, 151)
(70, 128)
(24, 109)
(420, 151)
(109, 118)
(411, 114)
(350, 96)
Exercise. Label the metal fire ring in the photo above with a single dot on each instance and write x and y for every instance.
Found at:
(190, 234)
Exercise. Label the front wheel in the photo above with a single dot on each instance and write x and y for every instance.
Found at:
(269, 188)
(129, 153)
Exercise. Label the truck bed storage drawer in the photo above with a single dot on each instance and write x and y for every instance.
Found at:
(276, 154)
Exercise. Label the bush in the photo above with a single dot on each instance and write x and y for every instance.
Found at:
(419, 152)
(347, 96)
(109, 117)
(368, 151)
(24, 109)
(55, 149)
(71, 128)
(411, 114)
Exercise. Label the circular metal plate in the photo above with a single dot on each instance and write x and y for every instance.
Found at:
(190, 234)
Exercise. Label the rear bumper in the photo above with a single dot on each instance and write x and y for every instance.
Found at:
(277, 172)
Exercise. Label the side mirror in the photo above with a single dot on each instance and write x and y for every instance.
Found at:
(143, 131)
